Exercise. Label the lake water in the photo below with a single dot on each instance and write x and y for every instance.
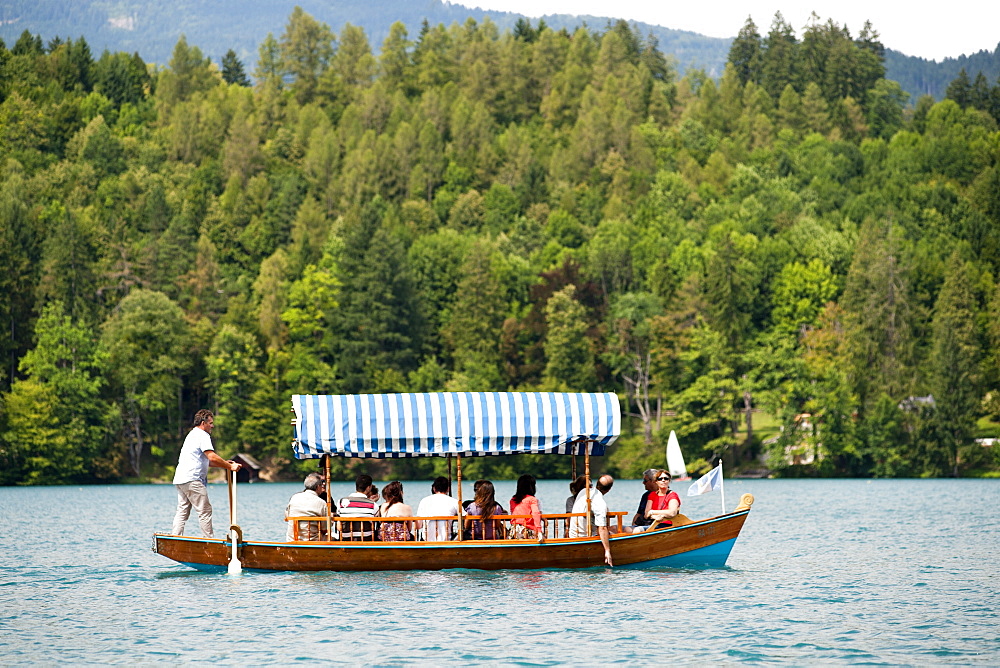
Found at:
(832, 571)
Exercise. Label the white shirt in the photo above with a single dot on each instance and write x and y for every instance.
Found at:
(437, 505)
(599, 508)
(193, 463)
(305, 504)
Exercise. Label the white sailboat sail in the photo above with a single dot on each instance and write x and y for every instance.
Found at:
(675, 460)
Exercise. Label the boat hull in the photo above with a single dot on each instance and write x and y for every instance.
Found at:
(702, 544)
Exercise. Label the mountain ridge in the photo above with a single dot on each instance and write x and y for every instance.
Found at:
(152, 30)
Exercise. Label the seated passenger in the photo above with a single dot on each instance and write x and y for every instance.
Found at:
(598, 512)
(574, 491)
(524, 503)
(373, 493)
(663, 504)
(485, 506)
(468, 502)
(308, 503)
(394, 507)
(438, 504)
(640, 521)
(357, 504)
(598, 508)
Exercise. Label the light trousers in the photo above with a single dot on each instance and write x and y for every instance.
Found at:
(193, 494)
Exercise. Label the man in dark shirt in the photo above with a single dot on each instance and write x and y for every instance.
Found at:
(640, 521)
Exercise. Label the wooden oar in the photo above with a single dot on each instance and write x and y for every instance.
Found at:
(235, 567)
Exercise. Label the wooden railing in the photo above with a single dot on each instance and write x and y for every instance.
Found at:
(365, 529)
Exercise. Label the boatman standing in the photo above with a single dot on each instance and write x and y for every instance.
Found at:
(191, 476)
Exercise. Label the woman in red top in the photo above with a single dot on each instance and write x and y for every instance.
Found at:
(525, 503)
(663, 504)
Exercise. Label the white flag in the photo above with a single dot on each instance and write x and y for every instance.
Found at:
(709, 482)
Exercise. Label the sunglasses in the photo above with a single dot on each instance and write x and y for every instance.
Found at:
(663, 477)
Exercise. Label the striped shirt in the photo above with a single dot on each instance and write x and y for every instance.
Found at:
(357, 505)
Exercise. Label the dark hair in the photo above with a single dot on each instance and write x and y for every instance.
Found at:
(577, 485)
(362, 483)
(392, 493)
(485, 500)
(204, 415)
(525, 487)
(440, 484)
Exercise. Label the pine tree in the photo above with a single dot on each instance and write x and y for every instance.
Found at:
(960, 90)
(568, 350)
(878, 316)
(745, 53)
(20, 245)
(377, 324)
(955, 354)
(979, 93)
(778, 63)
(69, 262)
(189, 72)
(473, 330)
(730, 282)
(232, 70)
(268, 70)
(306, 49)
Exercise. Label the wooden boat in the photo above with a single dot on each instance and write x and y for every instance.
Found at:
(457, 424)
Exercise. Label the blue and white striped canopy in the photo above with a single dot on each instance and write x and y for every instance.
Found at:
(465, 423)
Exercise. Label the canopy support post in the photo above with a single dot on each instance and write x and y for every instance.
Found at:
(458, 469)
(586, 465)
(448, 459)
(329, 499)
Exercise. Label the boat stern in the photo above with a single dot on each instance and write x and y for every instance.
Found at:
(200, 553)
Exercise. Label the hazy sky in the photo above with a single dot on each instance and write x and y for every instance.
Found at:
(963, 26)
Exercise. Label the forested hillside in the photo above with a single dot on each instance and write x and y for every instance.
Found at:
(482, 210)
(152, 28)
(919, 76)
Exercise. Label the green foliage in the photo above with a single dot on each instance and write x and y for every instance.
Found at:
(475, 209)
(146, 341)
(800, 292)
(189, 73)
(955, 360)
(232, 360)
(56, 419)
(473, 329)
(232, 70)
(306, 49)
(568, 350)
(37, 450)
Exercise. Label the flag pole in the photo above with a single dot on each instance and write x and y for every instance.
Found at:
(722, 486)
